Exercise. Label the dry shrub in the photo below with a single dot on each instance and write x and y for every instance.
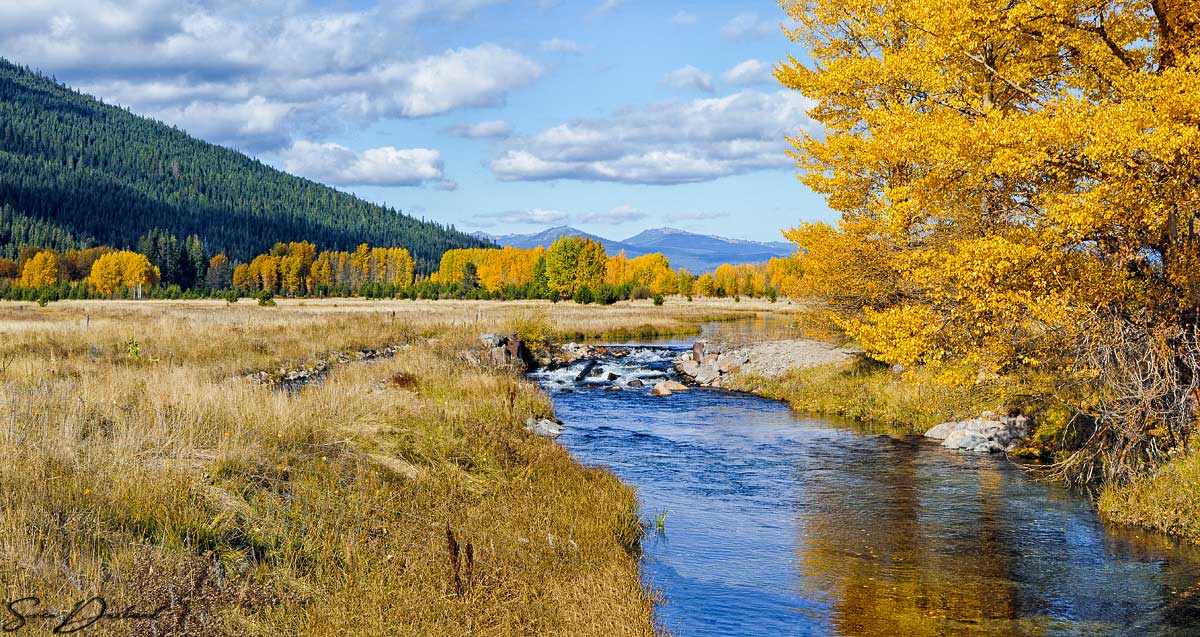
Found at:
(1138, 381)
(171, 477)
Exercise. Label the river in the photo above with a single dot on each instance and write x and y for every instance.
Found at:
(781, 524)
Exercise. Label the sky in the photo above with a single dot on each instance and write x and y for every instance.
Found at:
(506, 116)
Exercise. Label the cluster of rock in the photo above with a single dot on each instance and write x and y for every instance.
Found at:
(560, 356)
(506, 350)
(986, 434)
(293, 379)
(544, 427)
(708, 362)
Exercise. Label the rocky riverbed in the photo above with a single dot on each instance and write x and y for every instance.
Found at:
(710, 364)
(663, 372)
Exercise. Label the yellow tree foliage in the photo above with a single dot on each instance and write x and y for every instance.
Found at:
(296, 268)
(573, 263)
(241, 277)
(40, 269)
(988, 159)
(114, 270)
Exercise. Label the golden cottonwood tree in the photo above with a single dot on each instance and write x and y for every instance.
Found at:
(115, 270)
(1001, 168)
(40, 269)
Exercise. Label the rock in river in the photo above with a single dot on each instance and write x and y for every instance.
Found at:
(987, 434)
(544, 427)
(668, 387)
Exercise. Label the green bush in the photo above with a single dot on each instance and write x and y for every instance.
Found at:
(584, 295)
(266, 299)
(659, 300)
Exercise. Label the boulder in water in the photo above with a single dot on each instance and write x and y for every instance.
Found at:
(986, 434)
(587, 371)
(635, 383)
(543, 427)
(707, 374)
(661, 389)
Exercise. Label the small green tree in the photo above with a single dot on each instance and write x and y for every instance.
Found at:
(470, 279)
(584, 296)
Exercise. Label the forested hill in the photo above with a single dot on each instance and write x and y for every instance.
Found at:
(76, 172)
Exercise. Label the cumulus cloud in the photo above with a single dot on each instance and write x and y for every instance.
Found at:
(616, 216)
(684, 19)
(384, 166)
(479, 76)
(689, 77)
(285, 62)
(696, 215)
(748, 25)
(748, 73)
(606, 6)
(497, 129)
(560, 45)
(539, 216)
(666, 143)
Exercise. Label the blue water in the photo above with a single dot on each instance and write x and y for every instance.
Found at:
(778, 524)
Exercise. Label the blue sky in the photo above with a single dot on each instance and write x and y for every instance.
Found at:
(498, 115)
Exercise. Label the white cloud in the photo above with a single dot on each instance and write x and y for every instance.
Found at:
(606, 6)
(254, 122)
(560, 45)
(696, 215)
(539, 216)
(748, 73)
(689, 77)
(666, 143)
(479, 76)
(385, 166)
(497, 129)
(285, 62)
(748, 25)
(616, 216)
(683, 19)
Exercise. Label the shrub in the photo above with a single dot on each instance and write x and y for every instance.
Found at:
(607, 295)
(232, 296)
(584, 295)
(266, 299)
(658, 299)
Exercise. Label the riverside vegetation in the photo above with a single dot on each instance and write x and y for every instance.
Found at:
(1018, 202)
(397, 496)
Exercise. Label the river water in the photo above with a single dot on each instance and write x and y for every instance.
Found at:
(780, 524)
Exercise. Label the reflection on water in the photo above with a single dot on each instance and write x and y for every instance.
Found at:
(783, 525)
(758, 328)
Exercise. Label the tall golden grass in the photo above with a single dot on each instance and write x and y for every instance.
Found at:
(400, 496)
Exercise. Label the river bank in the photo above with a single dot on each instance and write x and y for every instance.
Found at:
(320, 467)
(818, 378)
(766, 521)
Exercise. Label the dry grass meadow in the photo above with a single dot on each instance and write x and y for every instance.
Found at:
(400, 496)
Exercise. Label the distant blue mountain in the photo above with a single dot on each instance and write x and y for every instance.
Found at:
(696, 252)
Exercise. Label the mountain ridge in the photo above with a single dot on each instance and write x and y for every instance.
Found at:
(693, 251)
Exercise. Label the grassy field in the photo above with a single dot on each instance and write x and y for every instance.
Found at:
(401, 496)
